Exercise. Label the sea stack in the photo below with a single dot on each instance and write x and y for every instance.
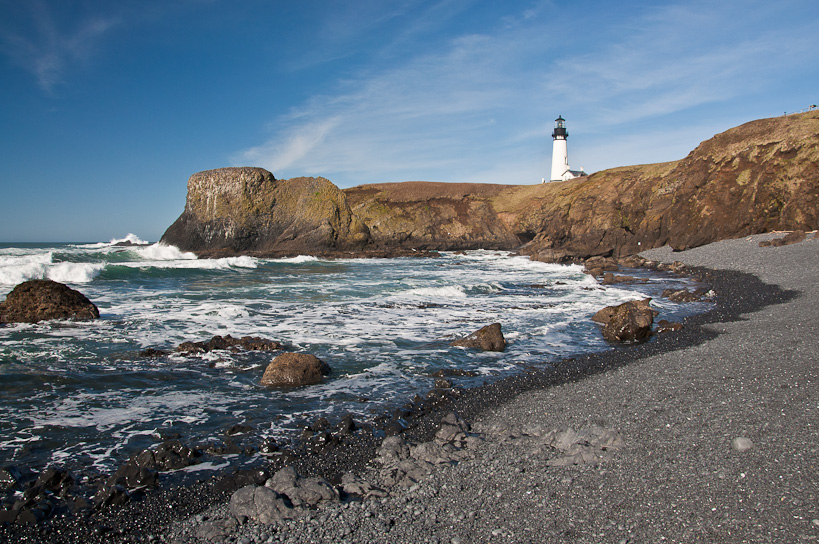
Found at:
(247, 210)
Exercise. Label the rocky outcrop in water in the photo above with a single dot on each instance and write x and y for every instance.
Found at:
(41, 300)
(758, 177)
(488, 338)
(227, 342)
(627, 322)
(294, 370)
(247, 210)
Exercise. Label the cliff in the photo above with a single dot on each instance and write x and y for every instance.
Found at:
(761, 176)
(439, 216)
(247, 210)
(758, 177)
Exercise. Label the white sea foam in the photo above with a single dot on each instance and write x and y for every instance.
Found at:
(131, 237)
(163, 252)
(297, 259)
(383, 325)
(74, 272)
(82, 410)
(190, 261)
(448, 291)
(17, 269)
(240, 262)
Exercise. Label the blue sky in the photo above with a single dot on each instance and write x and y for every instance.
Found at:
(106, 108)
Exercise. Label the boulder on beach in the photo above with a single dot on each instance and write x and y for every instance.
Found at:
(301, 491)
(488, 338)
(791, 238)
(260, 504)
(664, 326)
(295, 369)
(627, 322)
(41, 300)
(684, 295)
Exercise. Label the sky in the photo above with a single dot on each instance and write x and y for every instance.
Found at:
(106, 108)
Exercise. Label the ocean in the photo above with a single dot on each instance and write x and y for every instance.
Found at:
(79, 395)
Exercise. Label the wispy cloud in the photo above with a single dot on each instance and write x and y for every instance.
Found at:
(478, 106)
(680, 57)
(40, 44)
(282, 154)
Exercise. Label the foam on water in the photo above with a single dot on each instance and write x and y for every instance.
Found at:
(163, 252)
(78, 392)
(296, 260)
(130, 237)
(15, 270)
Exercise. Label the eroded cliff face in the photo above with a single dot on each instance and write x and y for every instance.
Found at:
(247, 210)
(754, 178)
(426, 215)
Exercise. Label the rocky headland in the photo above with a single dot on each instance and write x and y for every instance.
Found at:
(759, 177)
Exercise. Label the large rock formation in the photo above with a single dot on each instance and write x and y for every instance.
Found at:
(758, 177)
(247, 210)
(444, 216)
(754, 178)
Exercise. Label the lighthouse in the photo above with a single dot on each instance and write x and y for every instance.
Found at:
(560, 153)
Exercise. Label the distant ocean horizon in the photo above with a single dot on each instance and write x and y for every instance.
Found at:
(78, 394)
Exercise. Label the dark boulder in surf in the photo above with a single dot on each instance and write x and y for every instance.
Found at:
(294, 370)
(627, 322)
(488, 338)
(41, 300)
(227, 342)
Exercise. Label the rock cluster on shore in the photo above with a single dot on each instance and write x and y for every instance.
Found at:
(293, 508)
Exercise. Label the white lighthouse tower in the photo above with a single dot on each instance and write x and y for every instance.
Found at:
(560, 153)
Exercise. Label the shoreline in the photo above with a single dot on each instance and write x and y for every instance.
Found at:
(737, 293)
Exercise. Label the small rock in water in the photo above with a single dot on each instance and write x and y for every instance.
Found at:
(741, 444)
(488, 338)
(294, 370)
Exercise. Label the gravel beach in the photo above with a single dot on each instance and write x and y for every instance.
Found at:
(705, 435)
(714, 442)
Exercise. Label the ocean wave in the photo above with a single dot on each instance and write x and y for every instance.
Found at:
(163, 252)
(132, 238)
(225, 263)
(296, 260)
(74, 272)
(448, 291)
(17, 269)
